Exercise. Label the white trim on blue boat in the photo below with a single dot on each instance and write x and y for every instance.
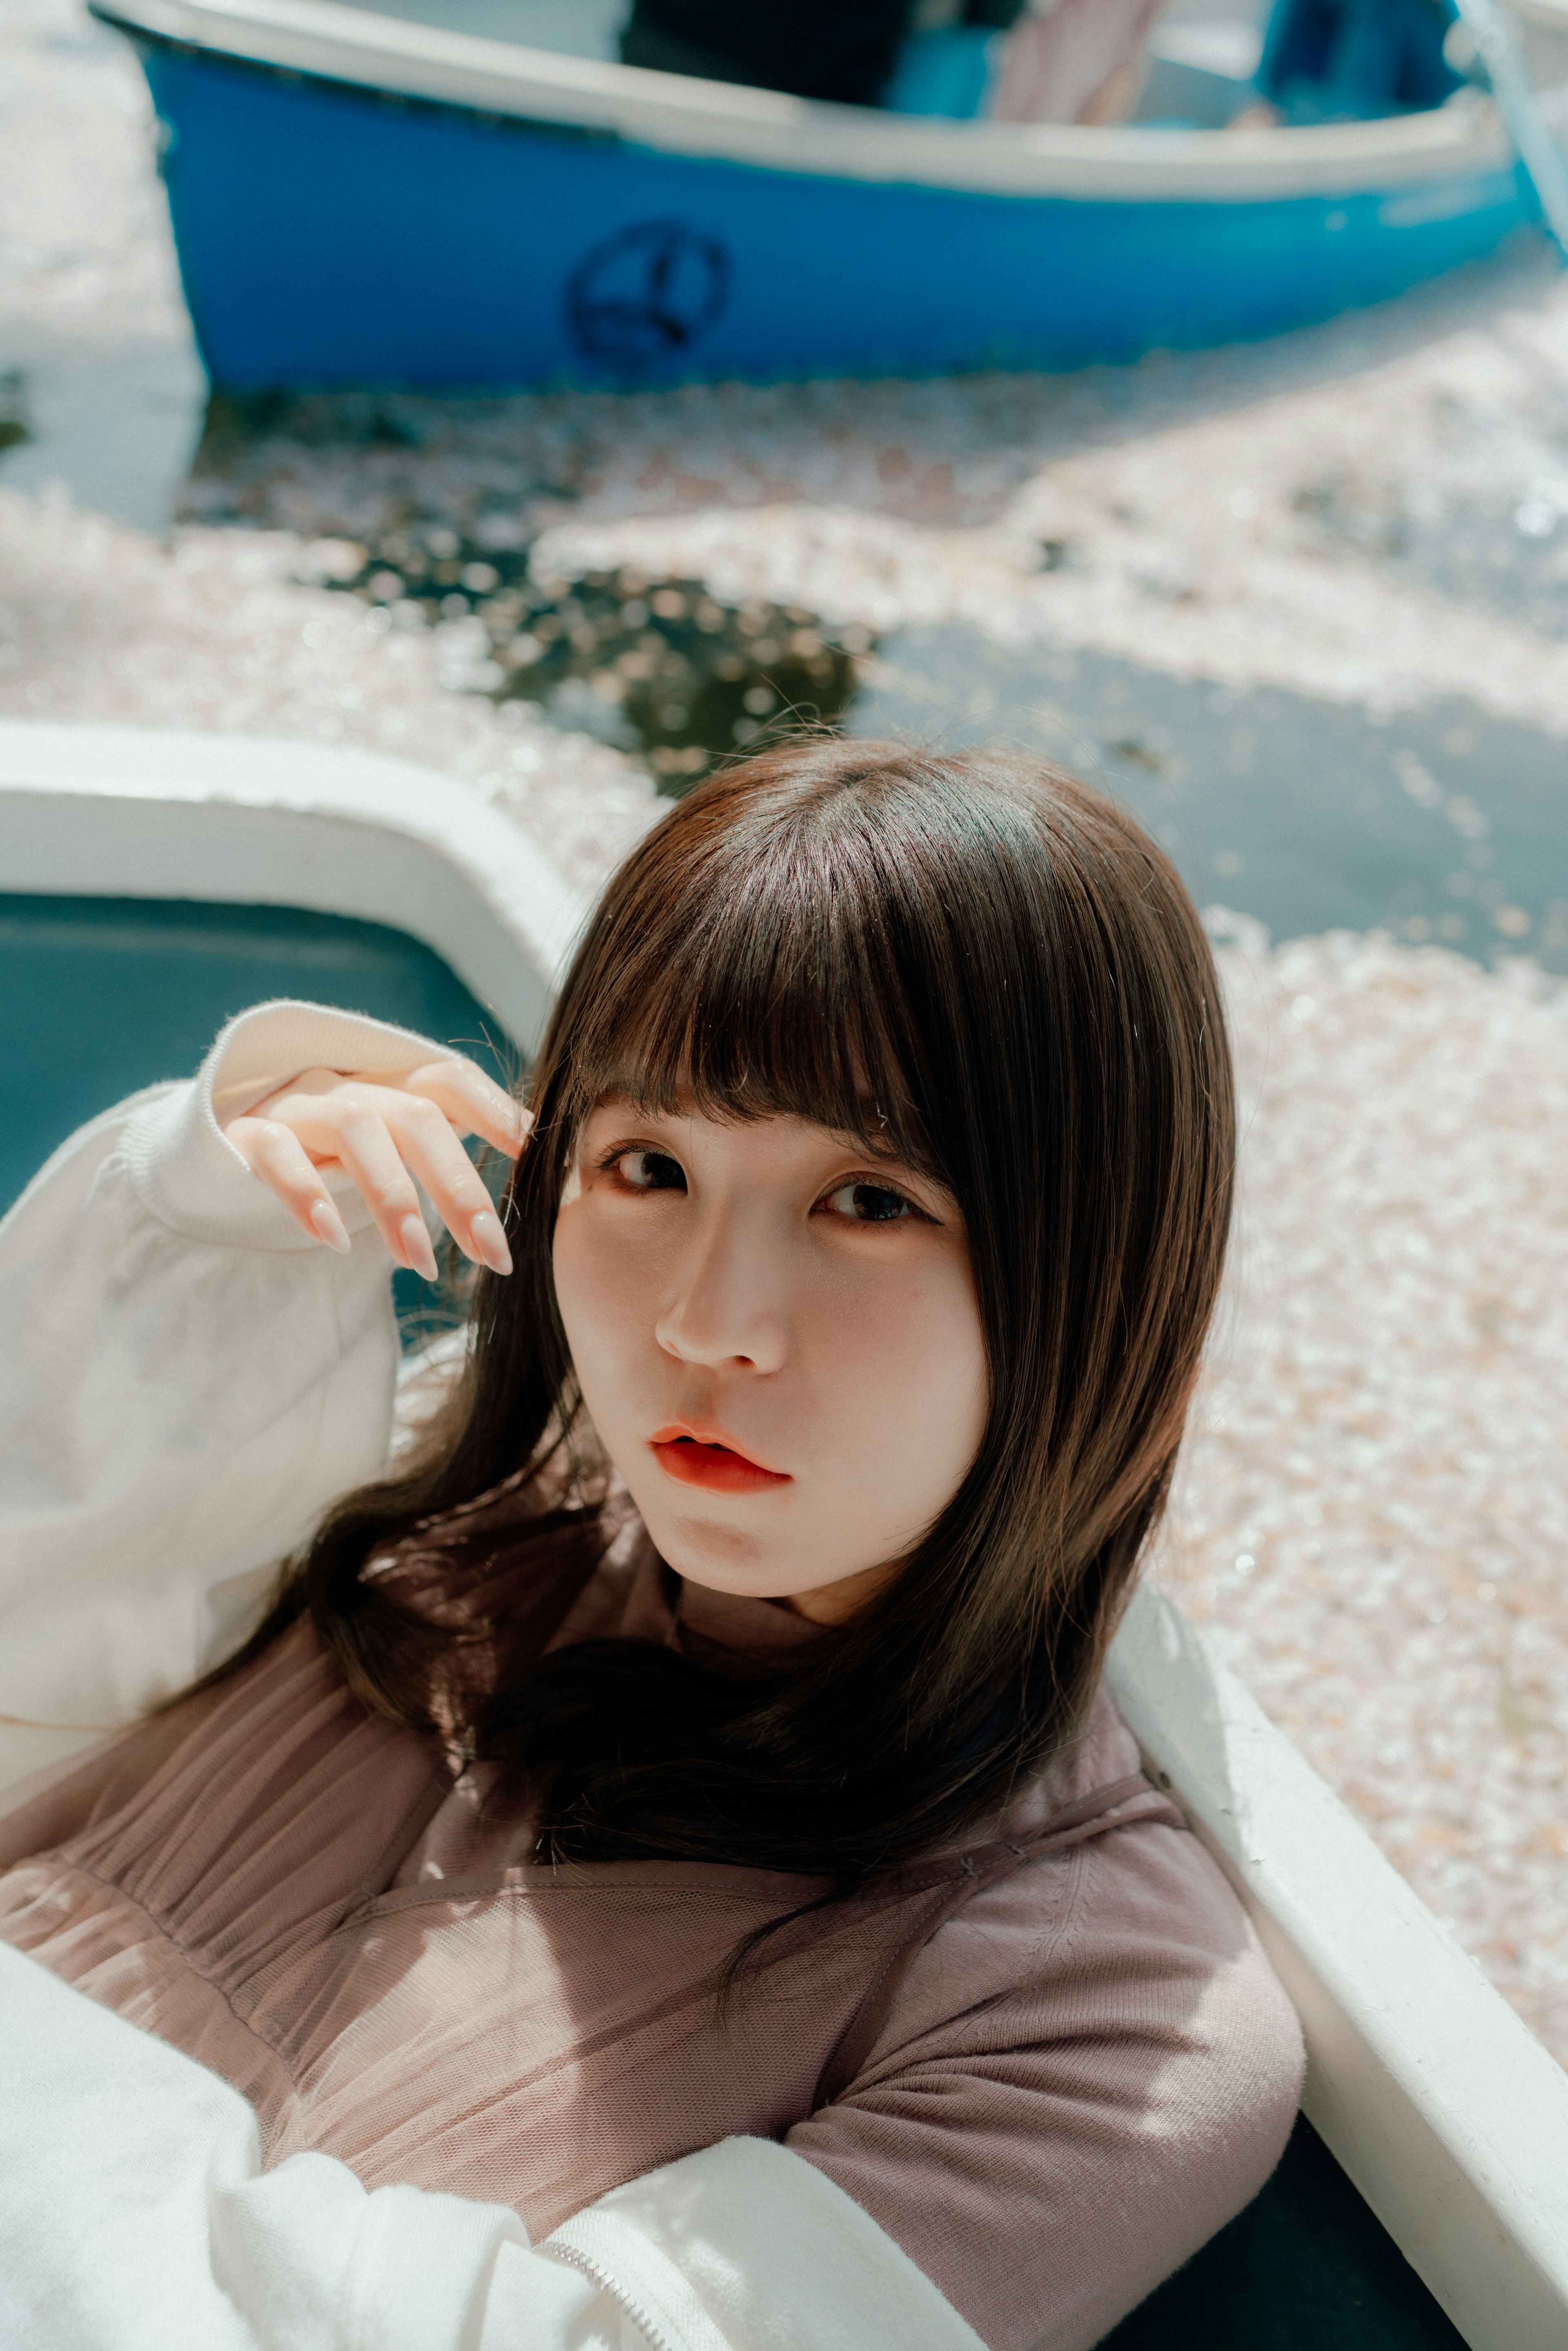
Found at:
(1446, 2113)
(124, 811)
(725, 120)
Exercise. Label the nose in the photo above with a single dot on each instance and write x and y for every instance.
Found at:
(726, 1311)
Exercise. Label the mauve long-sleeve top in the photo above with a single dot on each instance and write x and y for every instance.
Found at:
(996, 2096)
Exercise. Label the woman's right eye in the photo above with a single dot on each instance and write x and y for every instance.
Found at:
(650, 1170)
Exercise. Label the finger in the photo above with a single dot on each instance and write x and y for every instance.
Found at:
(396, 1130)
(371, 1159)
(473, 1102)
(278, 1157)
(425, 1137)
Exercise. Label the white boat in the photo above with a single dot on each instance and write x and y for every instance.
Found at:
(1443, 2214)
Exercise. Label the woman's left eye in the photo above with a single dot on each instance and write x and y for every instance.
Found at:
(642, 1170)
(869, 1204)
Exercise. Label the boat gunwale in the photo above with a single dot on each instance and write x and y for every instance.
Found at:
(703, 121)
(264, 819)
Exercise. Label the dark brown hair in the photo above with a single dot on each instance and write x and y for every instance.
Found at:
(994, 968)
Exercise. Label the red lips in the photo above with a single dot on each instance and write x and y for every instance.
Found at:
(708, 1462)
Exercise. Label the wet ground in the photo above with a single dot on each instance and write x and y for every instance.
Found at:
(1304, 607)
(1438, 822)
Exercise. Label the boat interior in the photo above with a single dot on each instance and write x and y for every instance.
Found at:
(1202, 66)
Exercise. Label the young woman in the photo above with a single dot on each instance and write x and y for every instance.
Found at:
(663, 1871)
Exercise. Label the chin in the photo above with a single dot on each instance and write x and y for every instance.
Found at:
(730, 1557)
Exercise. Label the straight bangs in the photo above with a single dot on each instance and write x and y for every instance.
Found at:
(764, 987)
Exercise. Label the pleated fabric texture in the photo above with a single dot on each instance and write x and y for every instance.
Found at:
(316, 1905)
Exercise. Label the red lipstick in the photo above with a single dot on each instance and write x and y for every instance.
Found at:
(702, 1457)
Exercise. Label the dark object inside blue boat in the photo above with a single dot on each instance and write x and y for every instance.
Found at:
(842, 49)
(1323, 60)
(1353, 60)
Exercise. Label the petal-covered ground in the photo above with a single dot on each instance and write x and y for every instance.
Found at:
(1372, 1514)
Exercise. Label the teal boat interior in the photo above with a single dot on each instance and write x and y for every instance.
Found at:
(105, 994)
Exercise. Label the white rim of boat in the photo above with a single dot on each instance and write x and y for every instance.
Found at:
(724, 121)
(144, 813)
(1448, 2113)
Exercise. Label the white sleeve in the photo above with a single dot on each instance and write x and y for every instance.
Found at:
(134, 2217)
(185, 1382)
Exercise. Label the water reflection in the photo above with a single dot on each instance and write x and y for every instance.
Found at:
(658, 667)
(1443, 825)
(1440, 826)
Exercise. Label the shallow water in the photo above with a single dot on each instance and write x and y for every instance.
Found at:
(1302, 606)
(1312, 816)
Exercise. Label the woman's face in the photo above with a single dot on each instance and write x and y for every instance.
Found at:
(778, 1345)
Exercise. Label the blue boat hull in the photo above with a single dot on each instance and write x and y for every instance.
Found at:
(328, 234)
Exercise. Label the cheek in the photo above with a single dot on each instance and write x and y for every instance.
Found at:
(905, 1368)
(598, 1289)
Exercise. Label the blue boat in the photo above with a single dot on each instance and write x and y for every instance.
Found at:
(364, 196)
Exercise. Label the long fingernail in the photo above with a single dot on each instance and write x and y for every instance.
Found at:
(416, 1247)
(485, 1232)
(329, 1225)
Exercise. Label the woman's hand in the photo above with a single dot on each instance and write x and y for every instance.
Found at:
(382, 1133)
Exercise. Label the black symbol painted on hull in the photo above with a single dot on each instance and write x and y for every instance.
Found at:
(647, 293)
